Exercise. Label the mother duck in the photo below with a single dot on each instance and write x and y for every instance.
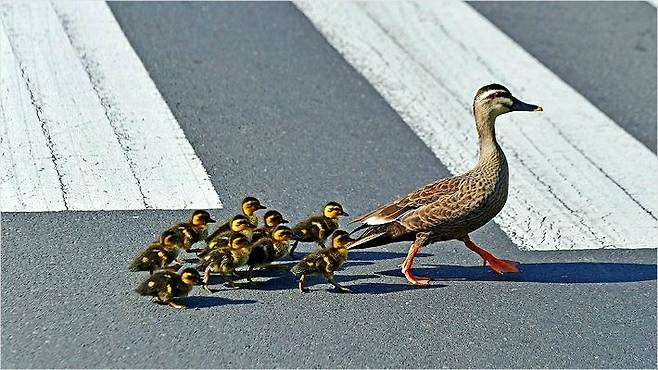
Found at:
(453, 207)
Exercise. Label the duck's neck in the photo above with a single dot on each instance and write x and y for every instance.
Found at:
(489, 148)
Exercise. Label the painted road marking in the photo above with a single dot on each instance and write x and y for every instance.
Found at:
(83, 125)
(578, 181)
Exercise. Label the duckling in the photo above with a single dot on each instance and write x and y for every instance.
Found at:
(225, 260)
(248, 206)
(239, 224)
(325, 261)
(194, 230)
(166, 285)
(160, 254)
(318, 228)
(267, 250)
(272, 219)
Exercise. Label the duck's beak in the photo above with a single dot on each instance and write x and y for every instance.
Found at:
(284, 221)
(260, 206)
(519, 106)
(210, 220)
(344, 213)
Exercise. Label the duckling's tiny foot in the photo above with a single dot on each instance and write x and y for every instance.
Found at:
(206, 287)
(176, 306)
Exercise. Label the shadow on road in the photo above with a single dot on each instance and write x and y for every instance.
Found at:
(383, 288)
(206, 301)
(572, 273)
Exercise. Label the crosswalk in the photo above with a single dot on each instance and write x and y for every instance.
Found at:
(83, 125)
(85, 128)
(578, 181)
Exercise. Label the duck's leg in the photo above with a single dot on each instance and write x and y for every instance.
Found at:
(250, 274)
(496, 264)
(291, 252)
(421, 240)
(301, 286)
(332, 280)
(206, 278)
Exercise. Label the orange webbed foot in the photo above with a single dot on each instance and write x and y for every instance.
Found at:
(416, 280)
(498, 265)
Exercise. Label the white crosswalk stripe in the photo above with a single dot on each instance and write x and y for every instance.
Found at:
(578, 181)
(84, 127)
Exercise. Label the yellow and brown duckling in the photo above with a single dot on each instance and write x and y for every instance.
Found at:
(249, 206)
(269, 249)
(271, 219)
(318, 228)
(225, 260)
(237, 224)
(160, 254)
(324, 261)
(194, 230)
(167, 285)
(452, 207)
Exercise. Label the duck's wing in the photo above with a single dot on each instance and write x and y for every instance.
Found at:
(424, 196)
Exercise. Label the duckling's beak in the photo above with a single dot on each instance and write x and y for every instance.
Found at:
(260, 206)
(519, 106)
(344, 213)
(210, 220)
(284, 221)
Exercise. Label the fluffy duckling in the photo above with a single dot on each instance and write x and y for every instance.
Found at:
(166, 285)
(271, 219)
(324, 261)
(160, 254)
(194, 230)
(249, 207)
(318, 228)
(237, 224)
(225, 260)
(267, 250)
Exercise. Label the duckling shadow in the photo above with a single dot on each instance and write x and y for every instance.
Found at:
(288, 281)
(207, 301)
(383, 288)
(379, 255)
(547, 273)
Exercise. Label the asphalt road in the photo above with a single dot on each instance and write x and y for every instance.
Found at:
(273, 111)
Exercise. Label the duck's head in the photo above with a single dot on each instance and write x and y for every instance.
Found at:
(273, 218)
(170, 238)
(201, 217)
(241, 223)
(238, 241)
(190, 276)
(333, 210)
(282, 233)
(339, 239)
(250, 205)
(493, 100)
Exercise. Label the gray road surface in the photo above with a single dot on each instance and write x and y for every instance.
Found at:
(272, 110)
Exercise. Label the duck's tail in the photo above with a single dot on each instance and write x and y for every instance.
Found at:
(373, 236)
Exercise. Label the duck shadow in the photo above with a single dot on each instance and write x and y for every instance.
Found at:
(379, 256)
(547, 273)
(208, 301)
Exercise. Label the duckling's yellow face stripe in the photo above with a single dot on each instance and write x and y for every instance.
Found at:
(238, 243)
(189, 278)
(281, 235)
(332, 211)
